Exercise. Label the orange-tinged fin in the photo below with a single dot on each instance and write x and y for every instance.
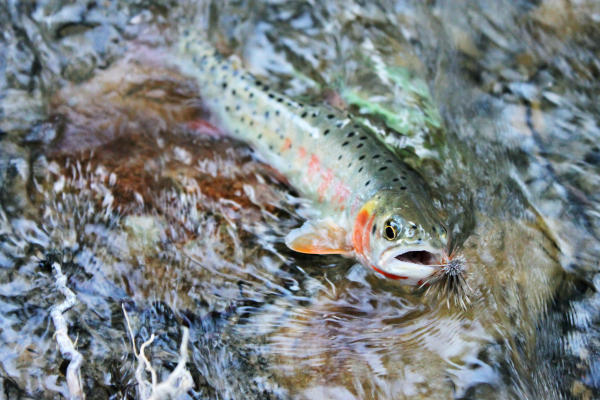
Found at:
(319, 237)
(205, 128)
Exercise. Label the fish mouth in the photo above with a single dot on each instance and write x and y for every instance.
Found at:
(419, 257)
(412, 265)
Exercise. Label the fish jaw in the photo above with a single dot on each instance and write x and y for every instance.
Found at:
(411, 265)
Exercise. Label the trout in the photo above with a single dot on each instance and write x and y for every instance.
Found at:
(370, 204)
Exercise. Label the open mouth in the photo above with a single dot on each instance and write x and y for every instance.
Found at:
(412, 265)
(419, 257)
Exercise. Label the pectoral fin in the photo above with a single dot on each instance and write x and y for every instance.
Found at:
(319, 237)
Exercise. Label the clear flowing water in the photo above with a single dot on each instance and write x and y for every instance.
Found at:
(109, 162)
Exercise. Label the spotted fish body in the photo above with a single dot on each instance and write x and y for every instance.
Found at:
(354, 180)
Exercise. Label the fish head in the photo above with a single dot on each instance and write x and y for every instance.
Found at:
(400, 235)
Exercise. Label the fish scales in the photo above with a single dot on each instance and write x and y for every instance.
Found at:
(322, 151)
(343, 167)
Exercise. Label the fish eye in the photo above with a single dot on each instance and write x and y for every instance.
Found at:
(390, 231)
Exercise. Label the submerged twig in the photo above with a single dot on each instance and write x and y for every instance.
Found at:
(179, 381)
(65, 345)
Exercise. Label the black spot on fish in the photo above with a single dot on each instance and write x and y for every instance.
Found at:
(388, 161)
(251, 94)
(339, 158)
(330, 116)
(270, 147)
(361, 157)
(224, 85)
(414, 226)
(290, 104)
(233, 92)
(403, 177)
(267, 114)
(350, 134)
(357, 126)
(396, 179)
(349, 165)
(433, 228)
(339, 124)
(226, 108)
(300, 105)
(374, 228)
(382, 168)
(277, 112)
(360, 169)
(404, 188)
(279, 100)
(266, 88)
(304, 115)
(363, 138)
(260, 136)
(271, 96)
(367, 184)
(376, 156)
(258, 83)
(326, 132)
(315, 115)
(359, 146)
(345, 144)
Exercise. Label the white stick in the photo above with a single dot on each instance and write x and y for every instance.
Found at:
(178, 382)
(65, 345)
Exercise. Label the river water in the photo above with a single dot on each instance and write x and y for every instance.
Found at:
(109, 163)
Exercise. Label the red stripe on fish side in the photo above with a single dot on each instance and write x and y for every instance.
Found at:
(359, 225)
(313, 165)
(326, 181)
(388, 275)
(341, 192)
(286, 144)
(302, 152)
